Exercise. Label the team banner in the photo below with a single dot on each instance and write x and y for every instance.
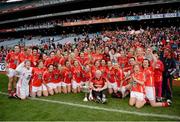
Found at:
(142, 17)
(131, 18)
(87, 22)
(178, 14)
(156, 16)
(170, 15)
(2, 67)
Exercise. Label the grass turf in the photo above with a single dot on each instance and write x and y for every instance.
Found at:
(12, 109)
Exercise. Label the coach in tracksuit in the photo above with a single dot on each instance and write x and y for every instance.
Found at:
(169, 70)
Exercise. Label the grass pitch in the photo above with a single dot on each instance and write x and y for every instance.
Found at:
(17, 110)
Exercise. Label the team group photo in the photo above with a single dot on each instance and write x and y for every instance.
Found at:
(89, 60)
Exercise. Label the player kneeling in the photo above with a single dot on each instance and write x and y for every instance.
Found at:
(24, 72)
(48, 85)
(98, 87)
(37, 79)
(137, 96)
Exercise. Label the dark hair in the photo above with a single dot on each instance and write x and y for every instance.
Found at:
(132, 58)
(50, 65)
(148, 62)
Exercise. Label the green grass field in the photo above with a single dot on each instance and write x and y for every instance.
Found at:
(17, 110)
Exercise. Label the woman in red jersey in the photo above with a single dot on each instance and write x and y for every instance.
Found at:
(37, 80)
(67, 74)
(12, 61)
(137, 90)
(48, 81)
(57, 79)
(149, 86)
(111, 78)
(103, 68)
(77, 77)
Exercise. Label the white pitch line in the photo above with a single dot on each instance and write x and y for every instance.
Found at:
(107, 109)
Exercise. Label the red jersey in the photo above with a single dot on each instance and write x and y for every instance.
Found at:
(123, 61)
(94, 69)
(23, 57)
(119, 77)
(149, 76)
(77, 74)
(103, 70)
(82, 60)
(62, 61)
(13, 60)
(34, 60)
(47, 77)
(97, 57)
(136, 86)
(158, 70)
(57, 76)
(98, 83)
(48, 62)
(56, 60)
(140, 59)
(87, 76)
(37, 76)
(67, 73)
(111, 75)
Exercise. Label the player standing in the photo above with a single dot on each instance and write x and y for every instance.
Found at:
(12, 61)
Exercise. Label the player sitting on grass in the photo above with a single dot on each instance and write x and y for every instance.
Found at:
(98, 84)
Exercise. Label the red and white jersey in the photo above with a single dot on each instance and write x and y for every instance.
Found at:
(23, 57)
(123, 62)
(48, 62)
(119, 76)
(94, 69)
(158, 70)
(37, 76)
(140, 59)
(57, 76)
(82, 60)
(87, 76)
(111, 77)
(103, 69)
(67, 73)
(97, 57)
(136, 86)
(34, 60)
(47, 77)
(77, 74)
(149, 76)
(13, 60)
(98, 83)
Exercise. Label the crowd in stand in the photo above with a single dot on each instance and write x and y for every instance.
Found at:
(102, 15)
(140, 63)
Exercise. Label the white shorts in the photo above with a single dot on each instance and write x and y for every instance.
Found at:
(11, 72)
(112, 85)
(75, 84)
(50, 85)
(150, 93)
(137, 95)
(36, 89)
(63, 84)
(22, 92)
(57, 84)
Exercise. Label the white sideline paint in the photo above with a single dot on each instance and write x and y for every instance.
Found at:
(107, 109)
